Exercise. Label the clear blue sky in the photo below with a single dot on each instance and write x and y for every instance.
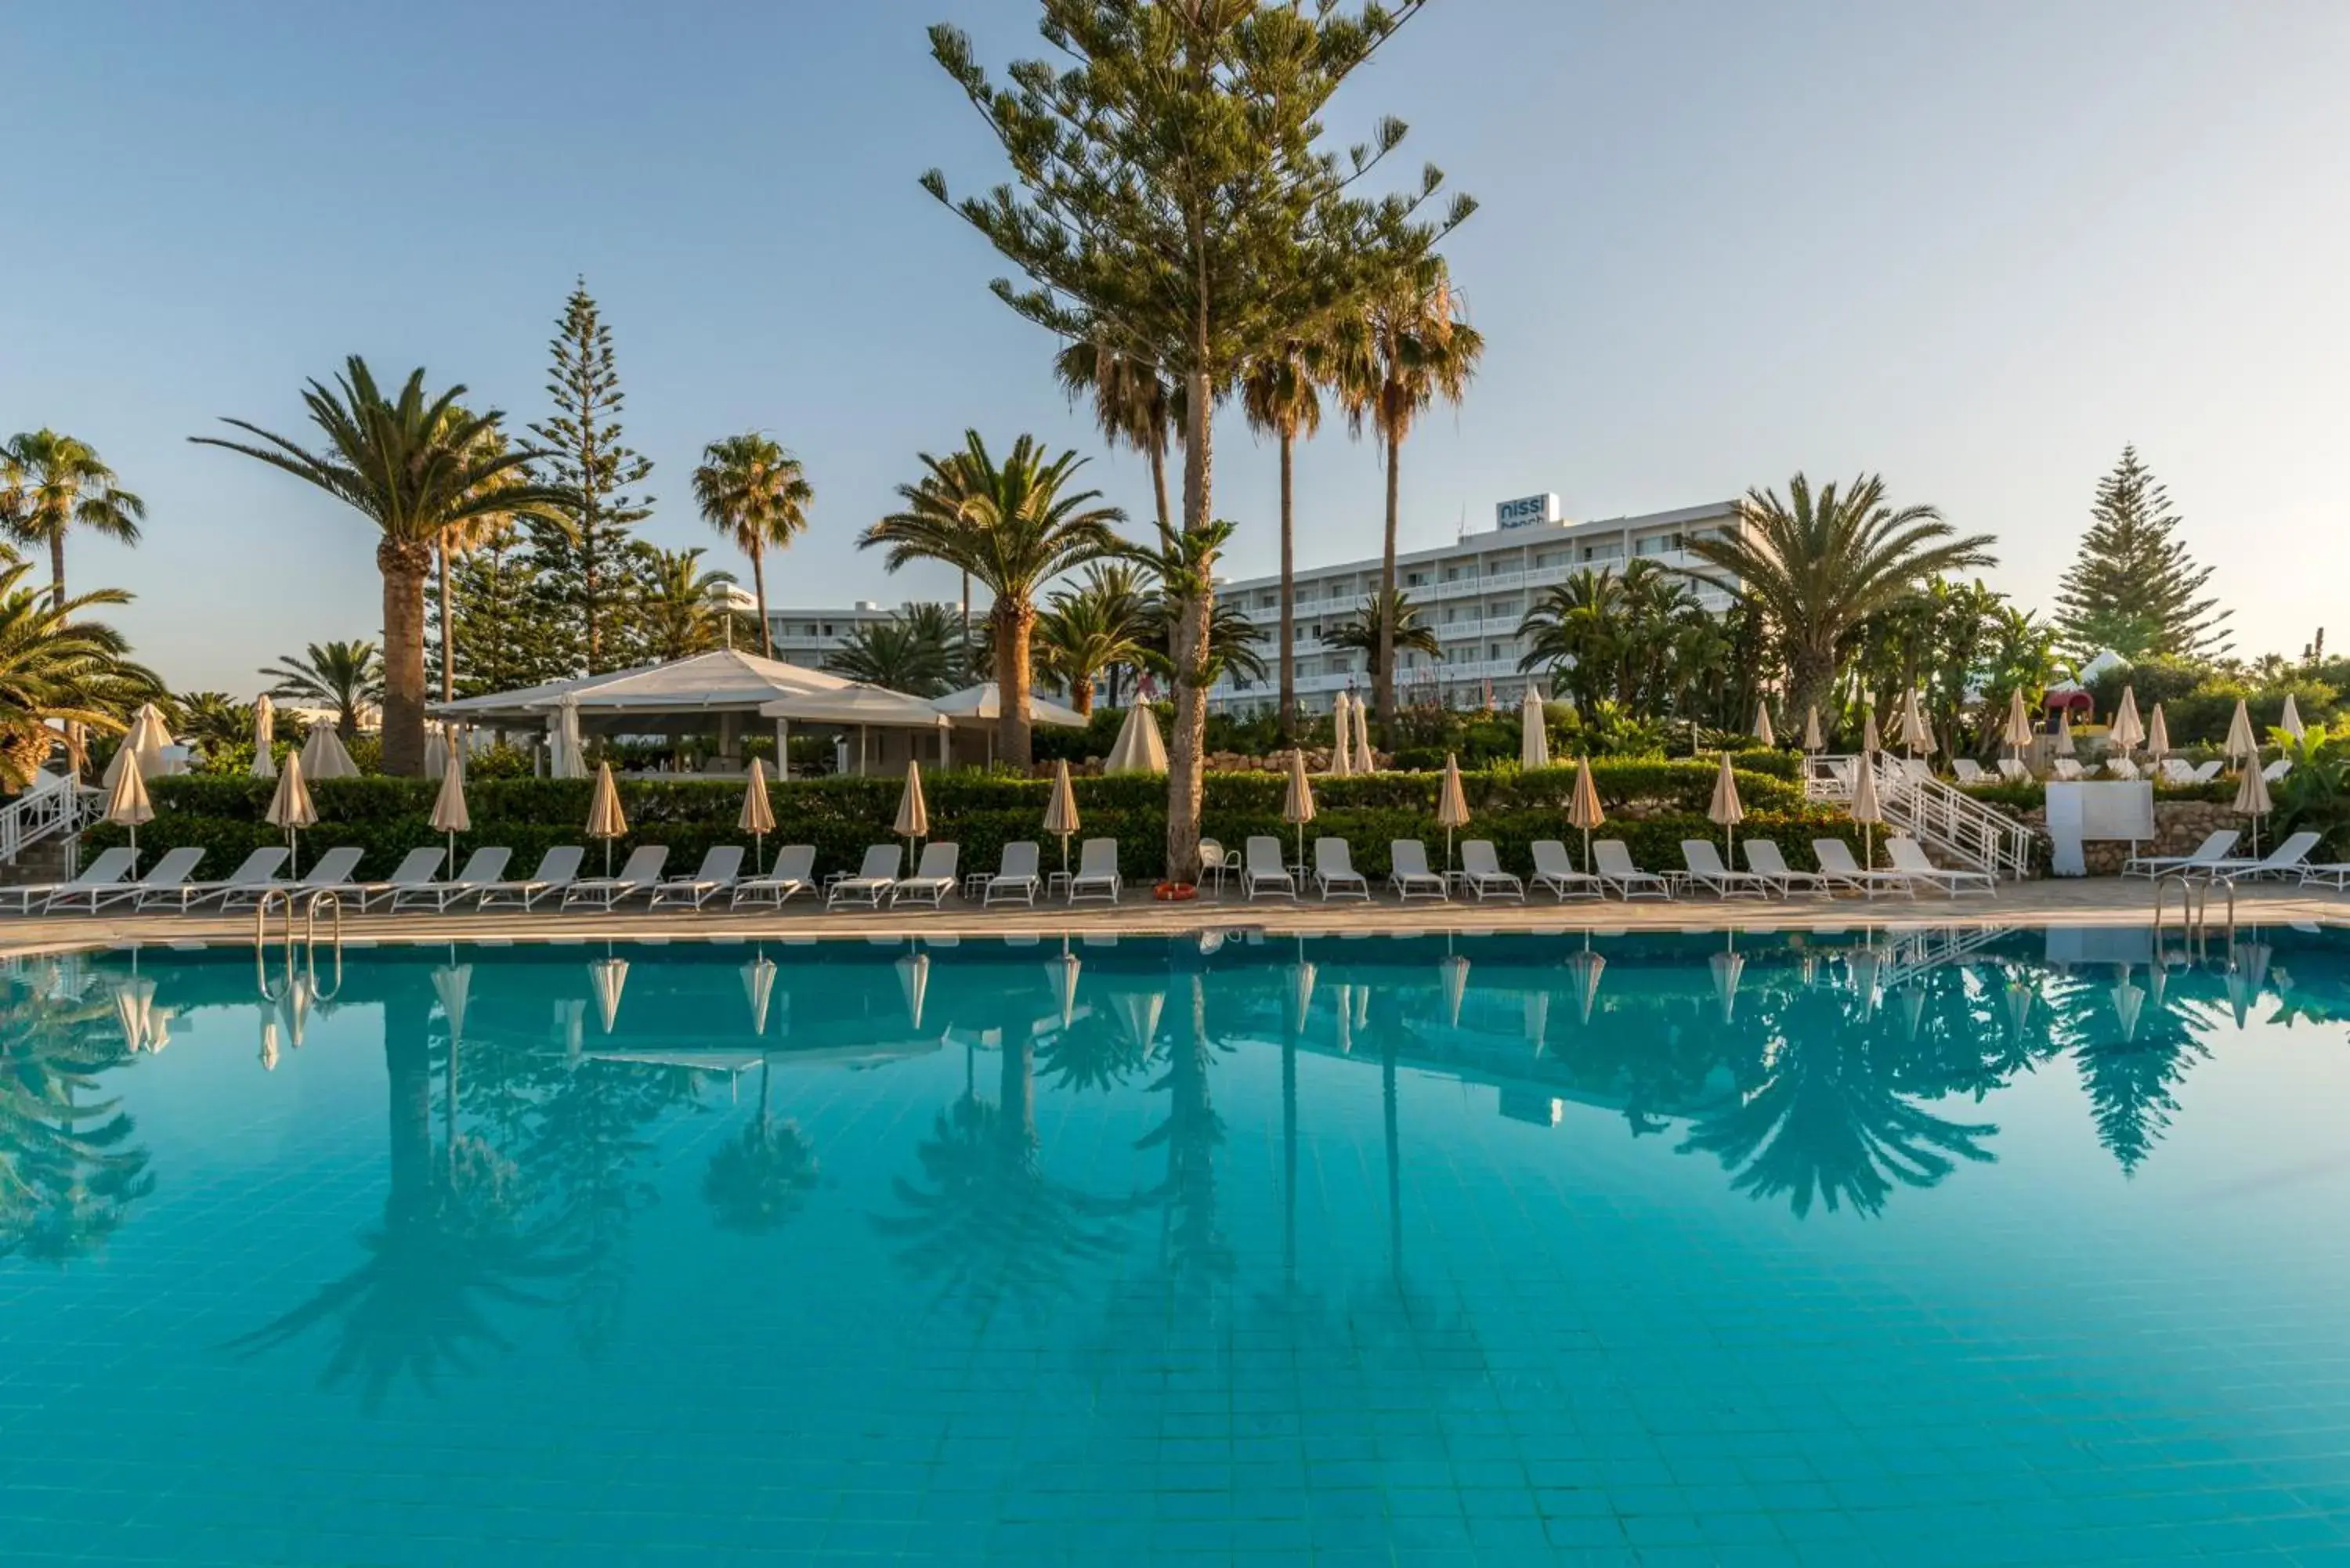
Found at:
(1977, 247)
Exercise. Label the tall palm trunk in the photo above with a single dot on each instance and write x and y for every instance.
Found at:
(966, 636)
(1015, 619)
(448, 629)
(57, 562)
(1288, 589)
(1383, 677)
(405, 563)
(759, 587)
(1081, 694)
(1187, 753)
(407, 1071)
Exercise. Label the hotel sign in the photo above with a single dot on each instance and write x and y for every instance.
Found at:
(1527, 511)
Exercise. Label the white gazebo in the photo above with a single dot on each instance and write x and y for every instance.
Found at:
(727, 694)
(975, 709)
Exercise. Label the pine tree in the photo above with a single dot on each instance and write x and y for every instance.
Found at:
(585, 578)
(502, 642)
(2134, 588)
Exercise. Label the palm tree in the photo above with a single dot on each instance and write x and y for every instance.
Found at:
(1184, 565)
(913, 651)
(1409, 349)
(51, 484)
(1816, 567)
(753, 492)
(1369, 632)
(344, 676)
(679, 611)
(1281, 393)
(1575, 630)
(1133, 402)
(1010, 527)
(414, 472)
(213, 719)
(59, 675)
(1086, 633)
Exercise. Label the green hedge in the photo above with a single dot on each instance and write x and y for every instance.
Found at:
(387, 816)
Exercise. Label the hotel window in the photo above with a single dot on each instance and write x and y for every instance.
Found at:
(828, 629)
(811, 630)
(1659, 543)
(1451, 574)
(1415, 579)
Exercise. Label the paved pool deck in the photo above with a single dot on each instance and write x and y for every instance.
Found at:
(2094, 901)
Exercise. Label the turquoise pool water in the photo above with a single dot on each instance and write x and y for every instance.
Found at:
(1867, 1247)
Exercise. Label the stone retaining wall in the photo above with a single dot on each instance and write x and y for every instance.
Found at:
(2179, 828)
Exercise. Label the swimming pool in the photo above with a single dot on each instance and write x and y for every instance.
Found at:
(1868, 1247)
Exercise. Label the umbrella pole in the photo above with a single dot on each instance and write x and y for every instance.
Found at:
(1586, 851)
(608, 859)
(758, 855)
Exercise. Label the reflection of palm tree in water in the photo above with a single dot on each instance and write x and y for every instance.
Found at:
(759, 1180)
(68, 1171)
(1831, 1119)
(450, 1243)
(985, 1221)
(2132, 1083)
(1191, 1241)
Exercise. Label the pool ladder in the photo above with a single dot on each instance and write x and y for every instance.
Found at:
(2194, 912)
(326, 899)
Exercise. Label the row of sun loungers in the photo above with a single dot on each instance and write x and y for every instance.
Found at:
(880, 879)
(2175, 771)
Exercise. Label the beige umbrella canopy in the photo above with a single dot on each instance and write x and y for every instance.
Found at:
(757, 818)
(2241, 747)
(2018, 733)
(2290, 720)
(1811, 742)
(1364, 762)
(605, 820)
(264, 735)
(1061, 810)
(2253, 799)
(565, 758)
(1138, 748)
(324, 756)
(1762, 731)
(449, 814)
(913, 812)
(1915, 734)
(1725, 811)
(2125, 733)
(1533, 732)
(2063, 746)
(436, 752)
(1297, 803)
(1584, 810)
(2158, 735)
(1870, 742)
(291, 808)
(1864, 808)
(1342, 756)
(1451, 806)
(127, 804)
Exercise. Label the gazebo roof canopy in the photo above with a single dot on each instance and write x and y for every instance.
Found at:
(723, 681)
(982, 704)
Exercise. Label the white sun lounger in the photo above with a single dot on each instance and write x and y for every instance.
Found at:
(2205, 772)
(171, 871)
(1097, 874)
(793, 873)
(1262, 870)
(2211, 852)
(1335, 873)
(1839, 869)
(873, 880)
(1910, 856)
(2123, 768)
(2290, 859)
(2277, 768)
(721, 869)
(1015, 876)
(1215, 864)
(1626, 880)
(482, 869)
(1706, 870)
(558, 870)
(1407, 871)
(2013, 771)
(2065, 769)
(638, 874)
(2175, 771)
(418, 870)
(257, 874)
(107, 871)
(331, 872)
(1555, 874)
(1764, 858)
(1968, 771)
(1481, 872)
(933, 878)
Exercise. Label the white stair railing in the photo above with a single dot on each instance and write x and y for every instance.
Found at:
(54, 807)
(1930, 811)
(1916, 952)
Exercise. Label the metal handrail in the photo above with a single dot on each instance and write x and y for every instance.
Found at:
(2194, 913)
(328, 897)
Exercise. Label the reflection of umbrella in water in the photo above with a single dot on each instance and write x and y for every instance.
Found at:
(1061, 973)
(1456, 985)
(1140, 1011)
(914, 984)
(1913, 1010)
(1863, 966)
(1301, 991)
(1587, 967)
(2019, 1007)
(453, 984)
(134, 1002)
(606, 976)
(268, 1038)
(1726, 966)
(297, 1002)
(758, 989)
(2129, 1000)
(1346, 998)
(1537, 1019)
(2248, 972)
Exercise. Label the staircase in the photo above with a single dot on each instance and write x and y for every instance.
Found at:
(1913, 953)
(52, 813)
(1916, 802)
